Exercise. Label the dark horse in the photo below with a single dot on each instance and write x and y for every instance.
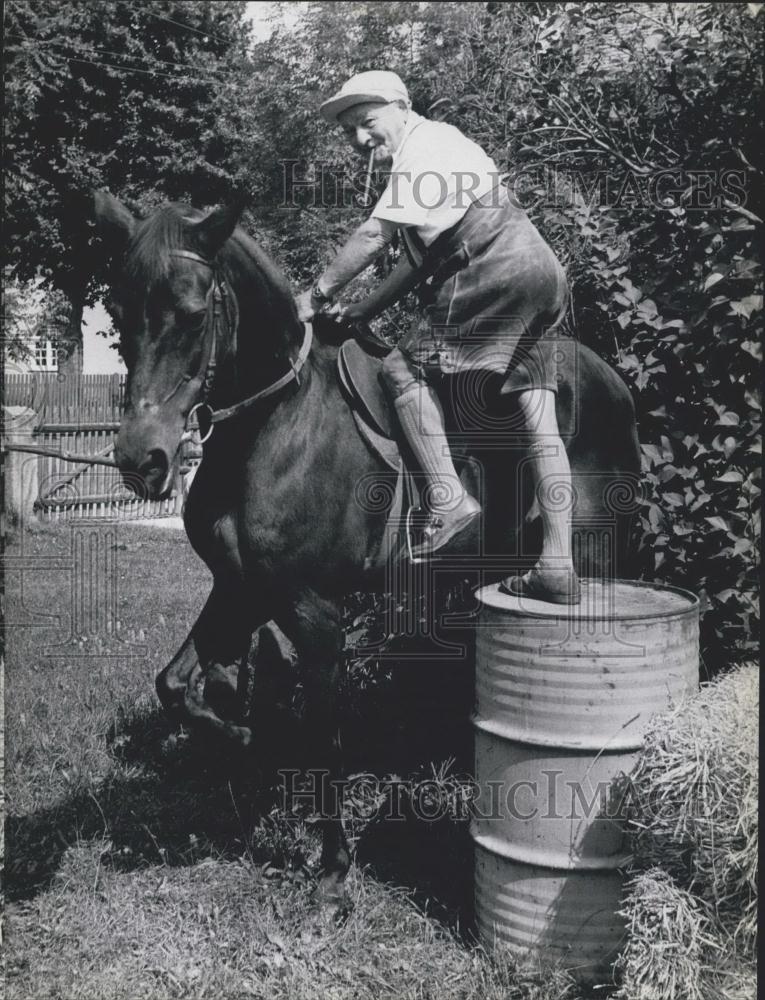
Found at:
(275, 507)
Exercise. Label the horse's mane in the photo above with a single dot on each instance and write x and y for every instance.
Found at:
(168, 229)
(155, 238)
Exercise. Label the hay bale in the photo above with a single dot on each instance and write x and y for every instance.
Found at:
(693, 807)
(732, 981)
(668, 937)
(691, 905)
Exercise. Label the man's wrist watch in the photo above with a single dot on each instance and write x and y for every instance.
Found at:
(318, 295)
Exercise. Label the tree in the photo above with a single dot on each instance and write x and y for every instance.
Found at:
(632, 132)
(607, 118)
(28, 313)
(135, 98)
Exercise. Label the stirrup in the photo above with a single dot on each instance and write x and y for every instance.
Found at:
(422, 552)
(416, 560)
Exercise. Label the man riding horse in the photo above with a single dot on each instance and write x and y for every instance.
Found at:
(208, 325)
(493, 293)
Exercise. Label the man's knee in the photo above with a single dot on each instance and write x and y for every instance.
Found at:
(398, 372)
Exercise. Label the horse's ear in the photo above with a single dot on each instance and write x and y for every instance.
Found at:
(115, 223)
(212, 232)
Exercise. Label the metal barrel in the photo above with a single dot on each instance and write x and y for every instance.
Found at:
(563, 697)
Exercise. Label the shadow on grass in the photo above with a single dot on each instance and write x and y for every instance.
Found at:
(174, 798)
(415, 725)
(170, 800)
(433, 860)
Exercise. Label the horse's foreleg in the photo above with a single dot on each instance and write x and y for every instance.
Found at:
(221, 635)
(199, 712)
(313, 625)
(172, 680)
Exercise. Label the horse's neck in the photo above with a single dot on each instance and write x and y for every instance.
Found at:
(300, 436)
(268, 337)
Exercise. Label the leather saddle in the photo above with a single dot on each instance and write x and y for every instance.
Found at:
(359, 374)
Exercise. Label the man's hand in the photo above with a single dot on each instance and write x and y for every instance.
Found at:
(307, 307)
(356, 254)
(354, 312)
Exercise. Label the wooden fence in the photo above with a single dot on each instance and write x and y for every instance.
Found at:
(59, 399)
(81, 415)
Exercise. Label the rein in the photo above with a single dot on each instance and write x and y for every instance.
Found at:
(216, 321)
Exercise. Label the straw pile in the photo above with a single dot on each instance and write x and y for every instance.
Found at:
(667, 924)
(691, 907)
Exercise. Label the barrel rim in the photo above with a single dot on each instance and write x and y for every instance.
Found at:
(559, 741)
(569, 611)
(556, 860)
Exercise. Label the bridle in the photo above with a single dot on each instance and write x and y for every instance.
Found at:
(222, 315)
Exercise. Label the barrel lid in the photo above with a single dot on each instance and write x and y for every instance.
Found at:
(612, 600)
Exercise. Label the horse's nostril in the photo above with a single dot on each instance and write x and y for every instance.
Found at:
(154, 470)
(156, 461)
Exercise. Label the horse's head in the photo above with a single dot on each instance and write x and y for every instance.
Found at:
(162, 303)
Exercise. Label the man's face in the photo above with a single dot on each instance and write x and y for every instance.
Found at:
(375, 126)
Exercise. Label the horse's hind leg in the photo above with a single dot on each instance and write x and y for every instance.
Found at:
(313, 626)
(605, 505)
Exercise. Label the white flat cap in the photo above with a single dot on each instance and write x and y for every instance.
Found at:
(374, 85)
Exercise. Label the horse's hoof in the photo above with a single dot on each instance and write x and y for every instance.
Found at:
(173, 711)
(171, 699)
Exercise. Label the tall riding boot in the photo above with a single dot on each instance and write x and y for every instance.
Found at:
(451, 508)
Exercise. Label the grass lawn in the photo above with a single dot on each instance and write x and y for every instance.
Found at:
(143, 862)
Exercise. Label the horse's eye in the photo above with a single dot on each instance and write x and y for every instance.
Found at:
(193, 320)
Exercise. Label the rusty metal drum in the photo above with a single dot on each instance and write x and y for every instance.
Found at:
(563, 697)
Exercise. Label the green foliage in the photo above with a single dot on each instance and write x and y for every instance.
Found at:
(662, 134)
(631, 132)
(29, 313)
(133, 98)
(695, 380)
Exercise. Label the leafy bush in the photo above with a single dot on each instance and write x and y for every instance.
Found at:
(631, 134)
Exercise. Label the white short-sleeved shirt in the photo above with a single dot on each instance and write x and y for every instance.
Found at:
(435, 175)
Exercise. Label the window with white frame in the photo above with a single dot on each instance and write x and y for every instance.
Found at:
(45, 352)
